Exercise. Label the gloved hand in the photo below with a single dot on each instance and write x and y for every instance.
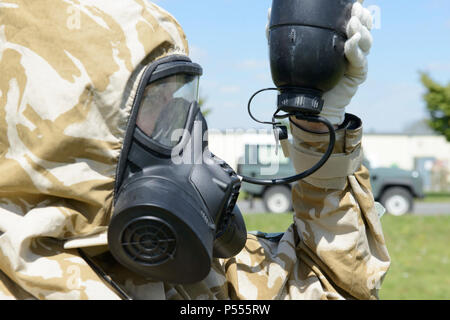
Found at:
(357, 48)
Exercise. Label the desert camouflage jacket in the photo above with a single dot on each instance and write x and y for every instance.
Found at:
(69, 71)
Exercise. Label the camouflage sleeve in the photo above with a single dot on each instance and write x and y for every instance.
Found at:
(341, 238)
(10, 290)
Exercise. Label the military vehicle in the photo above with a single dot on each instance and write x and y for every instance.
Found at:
(394, 188)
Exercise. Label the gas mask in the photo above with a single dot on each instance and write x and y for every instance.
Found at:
(175, 204)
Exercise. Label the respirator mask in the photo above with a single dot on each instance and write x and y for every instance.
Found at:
(175, 204)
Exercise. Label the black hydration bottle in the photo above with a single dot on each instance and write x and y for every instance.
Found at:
(306, 41)
(306, 47)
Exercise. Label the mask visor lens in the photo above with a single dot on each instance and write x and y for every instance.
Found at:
(165, 107)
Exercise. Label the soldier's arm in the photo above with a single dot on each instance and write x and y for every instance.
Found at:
(337, 220)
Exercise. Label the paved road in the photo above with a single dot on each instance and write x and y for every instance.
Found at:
(420, 208)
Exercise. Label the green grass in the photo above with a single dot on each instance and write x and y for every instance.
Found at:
(267, 222)
(436, 197)
(420, 252)
(243, 195)
(419, 247)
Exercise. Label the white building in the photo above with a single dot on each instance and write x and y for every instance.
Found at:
(409, 152)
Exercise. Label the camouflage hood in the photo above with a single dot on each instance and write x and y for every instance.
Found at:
(69, 70)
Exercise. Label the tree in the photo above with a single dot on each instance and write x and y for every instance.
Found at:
(201, 103)
(421, 126)
(437, 99)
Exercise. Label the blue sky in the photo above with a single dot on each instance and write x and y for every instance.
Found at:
(227, 37)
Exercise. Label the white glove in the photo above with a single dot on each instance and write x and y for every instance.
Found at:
(269, 13)
(356, 49)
